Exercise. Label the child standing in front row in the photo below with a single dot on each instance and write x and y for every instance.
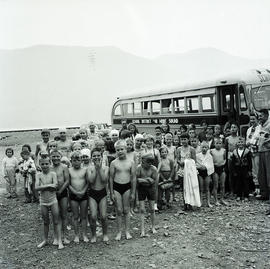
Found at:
(147, 179)
(10, 165)
(166, 177)
(205, 168)
(46, 183)
(241, 169)
(219, 159)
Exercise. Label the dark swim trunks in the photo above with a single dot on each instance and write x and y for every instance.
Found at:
(202, 173)
(121, 188)
(219, 169)
(97, 195)
(62, 195)
(146, 192)
(74, 197)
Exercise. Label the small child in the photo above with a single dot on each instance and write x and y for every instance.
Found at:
(10, 167)
(166, 176)
(241, 169)
(76, 147)
(122, 187)
(98, 180)
(205, 168)
(219, 177)
(195, 143)
(62, 176)
(147, 179)
(43, 145)
(131, 154)
(100, 144)
(230, 146)
(86, 154)
(78, 195)
(176, 141)
(28, 171)
(52, 145)
(46, 183)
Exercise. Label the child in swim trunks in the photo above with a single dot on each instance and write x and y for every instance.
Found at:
(122, 187)
(46, 183)
(205, 168)
(147, 180)
(78, 195)
(62, 175)
(98, 178)
(219, 176)
(166, 176)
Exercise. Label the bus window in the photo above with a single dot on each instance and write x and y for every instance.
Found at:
(117, 111)
(243, 102)
(137, 108)
(166, 106)
(179, 105)
(128, 109)
(155, 107)
(146, 108)
(192, 105)
(261, 97)
(208, 103)
(227, 100)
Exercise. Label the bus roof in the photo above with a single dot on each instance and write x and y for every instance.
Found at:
(253, 76)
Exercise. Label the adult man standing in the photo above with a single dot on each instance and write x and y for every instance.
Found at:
(264, 154)
(124, 126)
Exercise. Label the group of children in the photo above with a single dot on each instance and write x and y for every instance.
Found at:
(96, 169)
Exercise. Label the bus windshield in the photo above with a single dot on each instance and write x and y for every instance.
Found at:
(261, 97)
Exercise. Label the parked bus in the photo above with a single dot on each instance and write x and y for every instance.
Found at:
(233, 97)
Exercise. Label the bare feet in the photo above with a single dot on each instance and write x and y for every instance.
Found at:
(105, 238)
(76, 239)
(142, 234)
(42, 244)
(93, 239)
(154, 231)
(60, 245)
(55, 242)
(118, 237)
(128, 236)
(66, 241)
(85, 239)
(209, 205)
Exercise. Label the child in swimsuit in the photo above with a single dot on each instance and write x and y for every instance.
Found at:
(98, 178)
(147, 179)
(62, 175)
(166, 175)
(46, 183)
(122, 187)
(219, 176)
(78, 195)
(205, 168)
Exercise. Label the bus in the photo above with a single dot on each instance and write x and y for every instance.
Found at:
(233, 97)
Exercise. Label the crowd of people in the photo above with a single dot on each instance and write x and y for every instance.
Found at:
(125, 168)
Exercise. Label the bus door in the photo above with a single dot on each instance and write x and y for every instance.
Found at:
(228, 103)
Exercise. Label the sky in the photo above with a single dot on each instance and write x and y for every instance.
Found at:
(147, 28)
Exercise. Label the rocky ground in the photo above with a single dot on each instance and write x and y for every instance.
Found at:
(234, 236)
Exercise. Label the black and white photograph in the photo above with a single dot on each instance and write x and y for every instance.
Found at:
(134, 134)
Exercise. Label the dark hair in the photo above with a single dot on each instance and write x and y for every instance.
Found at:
(168, 128)
(204, 121)
(184, 135)
(158, 142)
(11, 149)
(56, 138)
(158, 128)
(125, 134)
(55, 151)
(264, 111)
(183, 126)
(27, 146)
(109, 145)
(135, 127)
(192, 125)
(94, 150)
